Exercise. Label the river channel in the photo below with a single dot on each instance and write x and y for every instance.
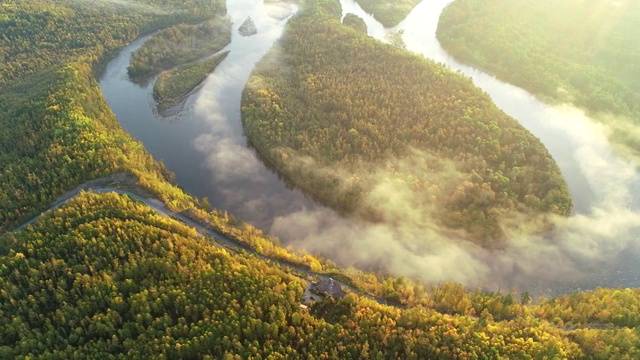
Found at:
(205, 147)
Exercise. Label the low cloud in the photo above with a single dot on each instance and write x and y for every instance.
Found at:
(583, 251)
(226, 154)
(239, 181)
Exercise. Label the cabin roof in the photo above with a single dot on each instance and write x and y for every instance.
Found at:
(330, 286)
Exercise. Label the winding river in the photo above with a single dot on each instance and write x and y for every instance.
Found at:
(205, 147)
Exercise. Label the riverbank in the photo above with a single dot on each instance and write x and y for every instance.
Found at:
(525, 43)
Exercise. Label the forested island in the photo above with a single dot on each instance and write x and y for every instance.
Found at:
(172, 86)
(177, 45)
(583, 52)
(105, 276)
(351, 121)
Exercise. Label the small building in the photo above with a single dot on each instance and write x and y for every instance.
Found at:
(317, 290)
(330, 286)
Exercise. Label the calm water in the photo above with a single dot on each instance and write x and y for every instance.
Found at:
(205, 147)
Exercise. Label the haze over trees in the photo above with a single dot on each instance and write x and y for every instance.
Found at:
(388, 12)
(351, 120)
(583, 52)
(355, 22)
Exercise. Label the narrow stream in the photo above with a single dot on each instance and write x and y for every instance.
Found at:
(205, 147)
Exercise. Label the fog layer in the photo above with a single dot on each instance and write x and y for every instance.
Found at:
(594, 247)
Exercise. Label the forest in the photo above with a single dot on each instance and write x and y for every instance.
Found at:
(56, 129)
(583, 52)
(41, 34)
(355, 22)
(105, 276)
(172, 86)
(388, 12)
(342, 115)
(177, 45)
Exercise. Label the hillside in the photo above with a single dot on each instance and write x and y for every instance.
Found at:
(56, 129)
(583, 52)
(388, 12)
(42, 34)
(105, 276)
(359, 125)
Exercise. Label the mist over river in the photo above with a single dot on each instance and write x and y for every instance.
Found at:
(205, 147)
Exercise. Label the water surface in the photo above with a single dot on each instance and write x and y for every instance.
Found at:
(204, 145)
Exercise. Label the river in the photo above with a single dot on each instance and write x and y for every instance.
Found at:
(205, 147)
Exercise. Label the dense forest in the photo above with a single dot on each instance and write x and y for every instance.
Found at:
(105, 276)
(578, 51)
(39, 34)
(59, 137)
(355, 22)
(388, 12)
(56, 129)
(178, 45)
(172, 86)
(351, 120)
